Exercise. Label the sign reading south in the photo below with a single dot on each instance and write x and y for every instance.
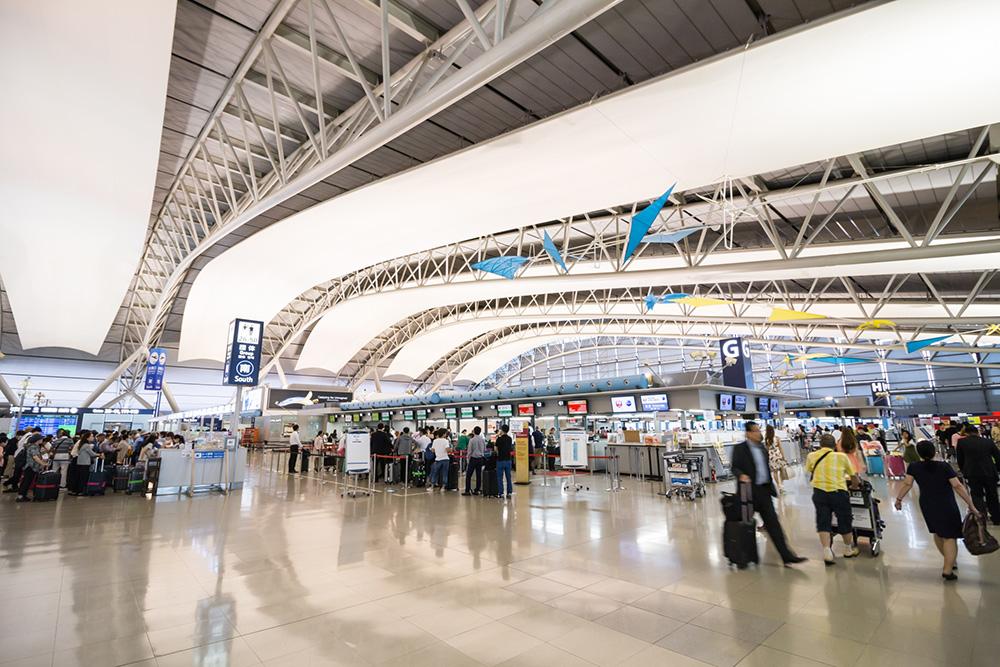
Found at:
(243, 349)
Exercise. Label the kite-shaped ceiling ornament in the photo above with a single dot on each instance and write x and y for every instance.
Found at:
(642, 221)
(914, 345)
(876, 324)
(786, 315)
(810, 355)
(992, 330)
(550, 247)
(671, 237)
(698, 301)
(842, 360)
(652, 300)
(502, 266)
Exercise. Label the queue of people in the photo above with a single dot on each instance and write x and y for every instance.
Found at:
(30, 453)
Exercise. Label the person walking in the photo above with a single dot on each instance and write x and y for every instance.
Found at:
(829, 472)
(938, 485)
(849, 445)
(776, 458)
(477, 459)
(504, 449)
(909, 447)
(440, 447)
(979, 461)
(35, 462)
(294, 443)
(750, 465)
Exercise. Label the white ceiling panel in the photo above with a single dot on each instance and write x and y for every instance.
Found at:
(85, 85)
(863, 79)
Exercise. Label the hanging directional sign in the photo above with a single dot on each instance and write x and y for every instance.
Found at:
(156, 366)
(243, 353)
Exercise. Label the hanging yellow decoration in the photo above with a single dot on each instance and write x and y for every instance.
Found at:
(876, 324)
(785, 315)
(696, 301)
(993, 330)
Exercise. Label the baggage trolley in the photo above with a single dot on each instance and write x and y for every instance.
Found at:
(865, 516)
(683, 476)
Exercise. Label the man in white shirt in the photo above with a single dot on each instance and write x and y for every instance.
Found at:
(422, 440)
(294, 442)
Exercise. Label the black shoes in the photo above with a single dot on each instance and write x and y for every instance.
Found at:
(795, 560)
(466, 493)
(949, 577)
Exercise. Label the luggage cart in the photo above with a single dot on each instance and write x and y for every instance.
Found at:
(866, 518)
(682, 475)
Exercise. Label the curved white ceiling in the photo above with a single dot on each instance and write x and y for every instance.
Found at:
(82, 117)
(421, 352)
(782, 102)
(338, 336)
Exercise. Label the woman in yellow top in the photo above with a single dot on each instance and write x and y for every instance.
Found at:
(829, 473)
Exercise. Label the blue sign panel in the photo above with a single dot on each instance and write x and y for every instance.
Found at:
(210, 454)
(243, 353)
(156, 366)
(737, 370)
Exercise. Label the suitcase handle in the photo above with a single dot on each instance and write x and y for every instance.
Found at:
(746, 500)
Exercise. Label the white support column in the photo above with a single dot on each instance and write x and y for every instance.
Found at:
(7, 392)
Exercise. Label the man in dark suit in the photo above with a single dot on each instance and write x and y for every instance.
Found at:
(979, 460)
(750, 466)
(381, 444)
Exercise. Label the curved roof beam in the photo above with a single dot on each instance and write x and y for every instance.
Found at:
(691, 126)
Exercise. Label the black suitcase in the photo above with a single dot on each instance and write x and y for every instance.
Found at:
(418, 474)
(452, 484)
(739, 537)
(96, 480)
(46, 486)
(120, 480)
(490, 489)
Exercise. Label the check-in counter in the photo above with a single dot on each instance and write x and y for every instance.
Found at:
(176, 472)
(637, 459)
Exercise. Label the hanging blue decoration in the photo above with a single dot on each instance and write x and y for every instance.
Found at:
(642, 221)
(652, 300)
(914, 345)
(501, 266)
(842, 360)
(671, 237)
(550, 247)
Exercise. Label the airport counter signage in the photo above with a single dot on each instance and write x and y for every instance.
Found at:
(242, 366)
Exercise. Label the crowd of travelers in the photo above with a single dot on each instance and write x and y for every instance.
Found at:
(433, 450)
(30, 453)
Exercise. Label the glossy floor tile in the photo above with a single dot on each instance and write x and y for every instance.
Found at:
(288, 572)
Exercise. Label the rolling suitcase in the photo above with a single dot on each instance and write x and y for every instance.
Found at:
(120, 480)
(452, 484)
(96, 480)
(739, 537)
(46, 486)
(136, 480)
(897, 467)
(876, 465)
(490, 487)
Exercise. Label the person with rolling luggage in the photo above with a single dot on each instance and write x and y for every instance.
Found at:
(85, 456)
(504, 452)
(34, 463)
(440, 468)
(750, 466)
(829, 472)
(477, 459)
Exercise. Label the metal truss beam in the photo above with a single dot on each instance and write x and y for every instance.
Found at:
(515, 367)
(584, 240)
(198, 212)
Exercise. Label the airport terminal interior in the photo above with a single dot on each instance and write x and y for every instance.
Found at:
(499, 332)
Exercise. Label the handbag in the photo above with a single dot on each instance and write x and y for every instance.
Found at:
(977, 539)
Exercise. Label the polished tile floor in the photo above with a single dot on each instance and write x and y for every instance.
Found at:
(288, 572)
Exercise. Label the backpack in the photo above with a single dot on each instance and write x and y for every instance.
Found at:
(977, 539)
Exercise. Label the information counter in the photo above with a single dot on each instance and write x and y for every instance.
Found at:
(176, 472)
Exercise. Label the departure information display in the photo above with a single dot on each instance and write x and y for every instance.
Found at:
(48, 423)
